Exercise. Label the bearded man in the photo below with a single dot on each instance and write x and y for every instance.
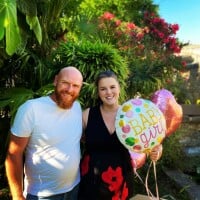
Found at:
(44, 150)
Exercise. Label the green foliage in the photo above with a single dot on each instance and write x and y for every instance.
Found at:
(170, 159)
(28, 70)
(8, 22)
(178, 87)
(91, 58)
(150, 56)
(35, 26)
(29, 23)
(5, 194)
(128, 10)
(14, 97)
(143, 79)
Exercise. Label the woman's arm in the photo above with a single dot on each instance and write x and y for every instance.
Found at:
(85, 117)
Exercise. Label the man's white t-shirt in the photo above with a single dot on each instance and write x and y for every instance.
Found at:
(53, 153)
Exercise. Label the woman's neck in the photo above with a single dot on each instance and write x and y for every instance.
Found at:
(110, 108)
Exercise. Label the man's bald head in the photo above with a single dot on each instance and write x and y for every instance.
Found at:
(73, 71)
(67, 84)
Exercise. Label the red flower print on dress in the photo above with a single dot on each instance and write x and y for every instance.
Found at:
(124, 192)
(113, 178)
(85, 165)
(116, 196)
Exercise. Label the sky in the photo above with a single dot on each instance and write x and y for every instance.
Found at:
(185, 13)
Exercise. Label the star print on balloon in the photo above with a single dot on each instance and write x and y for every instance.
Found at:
(140, 125)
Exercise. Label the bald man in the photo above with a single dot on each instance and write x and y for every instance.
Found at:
(45, 143)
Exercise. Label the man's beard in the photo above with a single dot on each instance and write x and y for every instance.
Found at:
(63, 102)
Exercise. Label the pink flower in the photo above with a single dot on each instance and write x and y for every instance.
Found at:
(118, 22)
(175, 28)
(140, 36)
(131, 26)
(108, 16)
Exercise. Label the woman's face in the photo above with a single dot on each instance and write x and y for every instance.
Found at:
(108, 90)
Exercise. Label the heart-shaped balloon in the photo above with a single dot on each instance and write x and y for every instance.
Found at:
(172, 111)
(138, 159)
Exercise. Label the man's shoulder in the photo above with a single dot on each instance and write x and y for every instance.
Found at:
(77, 104)
(39, 99)
(35, 101)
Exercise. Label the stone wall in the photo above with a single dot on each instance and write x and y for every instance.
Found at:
(190, 127)
(192, 52)
(190, 137)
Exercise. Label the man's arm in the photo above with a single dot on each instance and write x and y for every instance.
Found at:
(14, 165)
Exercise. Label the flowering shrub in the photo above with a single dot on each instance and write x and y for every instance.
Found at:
(163, 33)
(152, 51)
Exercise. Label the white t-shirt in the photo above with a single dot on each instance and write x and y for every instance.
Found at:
(53, 153)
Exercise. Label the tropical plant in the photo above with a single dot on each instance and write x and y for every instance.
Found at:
(35, 22)
(24, 62)
(151, 51)
(29, 32)
(91, 58)
(129, 10)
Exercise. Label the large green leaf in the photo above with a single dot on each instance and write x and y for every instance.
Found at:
(14, 97)
(28, 7)
(2, 18)
(9, 20)
(35, 26)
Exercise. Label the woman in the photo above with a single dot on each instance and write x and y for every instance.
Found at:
(106, 169)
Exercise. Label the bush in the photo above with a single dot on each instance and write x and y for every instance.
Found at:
(91, 58)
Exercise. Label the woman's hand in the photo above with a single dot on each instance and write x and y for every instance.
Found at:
(156, 153)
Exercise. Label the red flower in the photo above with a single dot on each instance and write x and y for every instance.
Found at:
(117, 22)
(124, 192)
(131, 26)
(116, 196)
(175, 28)
(184, 63)
(85, 165)
(108, 16)
(113, 178)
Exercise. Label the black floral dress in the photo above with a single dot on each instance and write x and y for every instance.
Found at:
(106, 170)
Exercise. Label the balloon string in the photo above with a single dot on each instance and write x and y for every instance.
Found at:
(137, 175)
(155, 177)
(146, 181)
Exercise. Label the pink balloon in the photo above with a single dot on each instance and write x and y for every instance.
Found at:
(138, 159)
(170, 108)
(173, 115)
(161, 97)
